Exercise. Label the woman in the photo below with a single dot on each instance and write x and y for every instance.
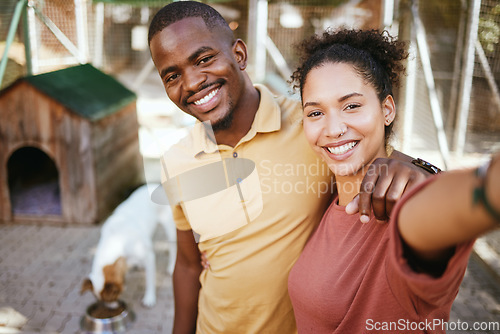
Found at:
(355, 275)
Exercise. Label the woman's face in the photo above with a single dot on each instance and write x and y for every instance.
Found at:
(344, 121)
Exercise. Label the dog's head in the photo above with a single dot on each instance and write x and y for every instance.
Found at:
(108, 285)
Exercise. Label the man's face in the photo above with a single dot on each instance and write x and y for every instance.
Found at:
(200, 69)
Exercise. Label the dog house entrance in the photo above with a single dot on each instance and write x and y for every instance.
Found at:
(33, 183)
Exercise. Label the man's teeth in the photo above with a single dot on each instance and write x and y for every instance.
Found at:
(341, 149)
(207, 97)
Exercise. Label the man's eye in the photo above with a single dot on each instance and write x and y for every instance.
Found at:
(205, 59)
(171, 78)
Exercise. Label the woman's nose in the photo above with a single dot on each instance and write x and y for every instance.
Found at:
(335, 127)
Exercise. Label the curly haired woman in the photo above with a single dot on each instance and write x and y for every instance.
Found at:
(355, 275)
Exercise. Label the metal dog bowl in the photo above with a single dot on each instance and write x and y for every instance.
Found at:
(107, 322)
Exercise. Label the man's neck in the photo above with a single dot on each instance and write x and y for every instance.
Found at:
(244, 116)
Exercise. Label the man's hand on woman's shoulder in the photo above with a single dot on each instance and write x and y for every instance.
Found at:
(384, 184)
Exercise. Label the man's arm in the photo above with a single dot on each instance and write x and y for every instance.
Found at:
(186, 281)
(384, 183)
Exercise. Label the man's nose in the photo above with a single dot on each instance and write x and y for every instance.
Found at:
(193, 79)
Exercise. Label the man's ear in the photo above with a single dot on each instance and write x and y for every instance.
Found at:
(86, 286)
(389, 109)
(240, 53)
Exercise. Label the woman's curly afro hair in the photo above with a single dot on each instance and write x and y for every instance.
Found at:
(376, 57)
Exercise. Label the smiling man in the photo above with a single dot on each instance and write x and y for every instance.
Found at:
(254, 230)
(202, 68)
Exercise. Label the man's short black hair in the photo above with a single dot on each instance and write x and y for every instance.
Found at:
(179, 10)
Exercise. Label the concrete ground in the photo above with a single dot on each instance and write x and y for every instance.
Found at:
(42, 268)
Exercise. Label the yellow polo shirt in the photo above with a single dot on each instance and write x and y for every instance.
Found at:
(252, 207)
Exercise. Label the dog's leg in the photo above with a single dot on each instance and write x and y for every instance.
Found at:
(149, 299)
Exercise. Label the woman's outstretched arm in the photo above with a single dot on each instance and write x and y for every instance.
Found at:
(445, 213)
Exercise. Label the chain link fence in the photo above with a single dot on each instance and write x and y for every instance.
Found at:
(485, 102)
(112, 36)
(16, 59)
(446, 26)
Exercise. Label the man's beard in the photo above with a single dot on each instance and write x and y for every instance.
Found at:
(225, 122)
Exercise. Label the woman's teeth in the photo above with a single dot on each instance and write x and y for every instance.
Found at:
(206, 98)
(341, 149)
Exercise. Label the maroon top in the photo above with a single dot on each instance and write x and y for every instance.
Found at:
(353, 278)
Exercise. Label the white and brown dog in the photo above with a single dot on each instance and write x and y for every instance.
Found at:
(126, 241)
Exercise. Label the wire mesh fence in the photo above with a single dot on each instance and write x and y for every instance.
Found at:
(113, 36)
(446, 26)
(485, 106)
(16, 59)
(289, 22)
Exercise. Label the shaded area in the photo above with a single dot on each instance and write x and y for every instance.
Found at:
(33, 183)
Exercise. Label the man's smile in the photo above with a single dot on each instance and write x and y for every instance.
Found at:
(207, 97)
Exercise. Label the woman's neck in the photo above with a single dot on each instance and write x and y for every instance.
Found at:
(348, 187)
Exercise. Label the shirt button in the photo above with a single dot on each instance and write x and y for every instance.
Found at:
(235, 155)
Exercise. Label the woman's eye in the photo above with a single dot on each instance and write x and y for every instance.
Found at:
(352, 106)
(314, 114)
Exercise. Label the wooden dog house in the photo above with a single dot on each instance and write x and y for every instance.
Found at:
(69, 147)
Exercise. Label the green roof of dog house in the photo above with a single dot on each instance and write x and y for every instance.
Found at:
(85, 90)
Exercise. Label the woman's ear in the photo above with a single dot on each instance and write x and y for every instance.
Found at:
(389, 109)
(240, 53)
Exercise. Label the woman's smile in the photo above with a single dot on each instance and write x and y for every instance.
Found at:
(337, 150)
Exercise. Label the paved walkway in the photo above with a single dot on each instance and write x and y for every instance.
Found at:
(42, 267)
